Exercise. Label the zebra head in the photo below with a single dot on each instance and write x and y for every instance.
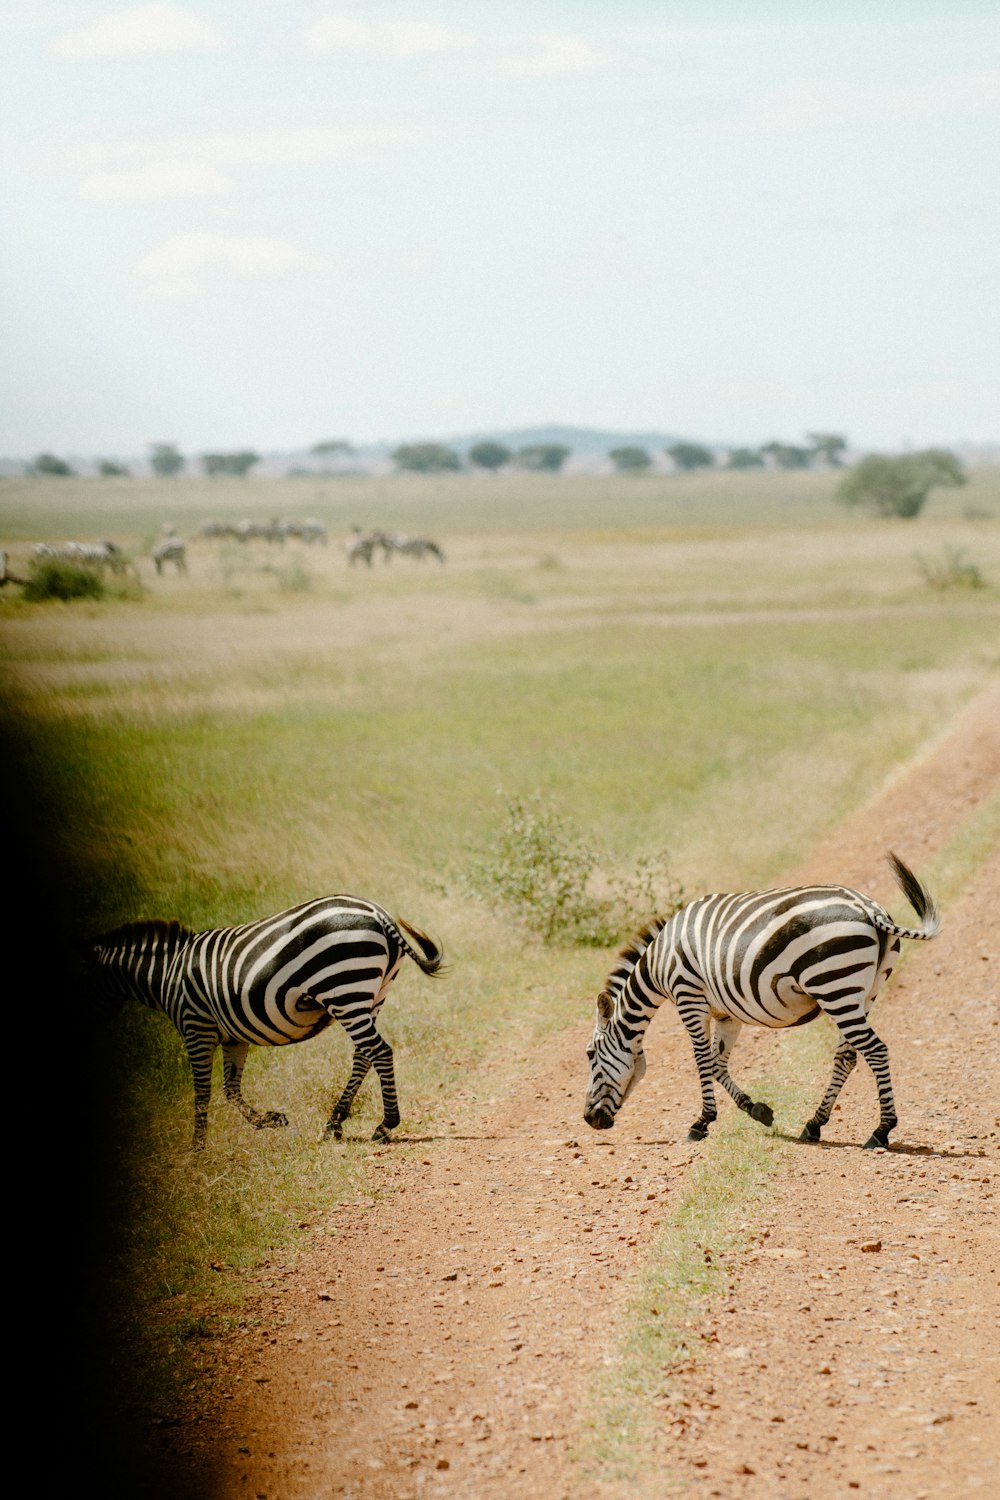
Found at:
(617, 1064)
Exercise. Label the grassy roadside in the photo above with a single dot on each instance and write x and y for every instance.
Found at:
(694, 1262)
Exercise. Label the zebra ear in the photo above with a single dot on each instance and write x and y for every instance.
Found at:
(605, 1006)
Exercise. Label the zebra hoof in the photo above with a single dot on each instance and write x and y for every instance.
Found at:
(877, 1141)
(697, 1132)
(810, 1132)
(763, 1114)
(334, 1131)
(381, 1134)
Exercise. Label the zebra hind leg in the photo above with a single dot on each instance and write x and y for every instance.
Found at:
(843, 1065)
(390, 1103)
(876, 1055)
(342, 1108)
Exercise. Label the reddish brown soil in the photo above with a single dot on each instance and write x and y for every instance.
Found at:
(443, 1342)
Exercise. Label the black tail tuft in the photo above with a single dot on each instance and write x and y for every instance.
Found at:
(917, 894)
(424, 951)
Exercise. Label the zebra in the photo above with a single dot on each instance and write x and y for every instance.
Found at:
(309, 531)
(269, 983)
(101, 554)
(173, 550)
(420, 547)
(362, 544)
(761, 958)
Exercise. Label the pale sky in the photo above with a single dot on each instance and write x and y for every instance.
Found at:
(267, 223)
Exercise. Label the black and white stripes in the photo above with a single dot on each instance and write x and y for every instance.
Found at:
(760, 958)
(268, 983)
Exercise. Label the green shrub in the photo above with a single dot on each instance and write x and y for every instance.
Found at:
(550, 880)
(950, 570)
(57, 578)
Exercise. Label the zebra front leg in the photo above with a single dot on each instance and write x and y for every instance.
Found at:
(843, 1065)
(696, 1023)
(234, 1057)
(726, 1033)
(201, 1051)
(342, 1108)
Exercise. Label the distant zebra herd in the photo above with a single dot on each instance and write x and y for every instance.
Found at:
(363, 546)
(170, 552)
(275, 530)
(774, 958)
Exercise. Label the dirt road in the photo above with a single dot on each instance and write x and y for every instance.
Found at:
(443, 1342)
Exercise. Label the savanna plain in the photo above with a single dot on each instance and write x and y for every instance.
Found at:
(612, 695)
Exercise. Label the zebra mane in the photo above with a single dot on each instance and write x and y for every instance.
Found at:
(628, 956)
(168, 930)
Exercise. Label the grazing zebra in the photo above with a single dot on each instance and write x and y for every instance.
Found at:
(362, 544)
(412, 546)
(280, 980)
(172, 550)
(760, 958)
(97, 554)
(307, 531)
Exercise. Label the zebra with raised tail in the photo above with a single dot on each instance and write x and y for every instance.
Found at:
(268, 983)
(761, 958)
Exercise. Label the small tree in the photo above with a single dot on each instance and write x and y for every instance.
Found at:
(165, 459)
(629, 460)
(489, 455)
(426, 458)
(787, 456)
(331, 449)
(745, 458)
(108, 469)
(829, 446)
(48, 463)
(239, 464)
(899, 486)
(687, 456)
(543, 457)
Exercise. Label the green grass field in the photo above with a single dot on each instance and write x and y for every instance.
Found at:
(708, 671)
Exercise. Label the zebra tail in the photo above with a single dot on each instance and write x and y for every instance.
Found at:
(425, 952)
(919, 898)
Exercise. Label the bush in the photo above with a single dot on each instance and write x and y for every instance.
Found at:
(552, 882)
(950, 571)
(57, 578)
